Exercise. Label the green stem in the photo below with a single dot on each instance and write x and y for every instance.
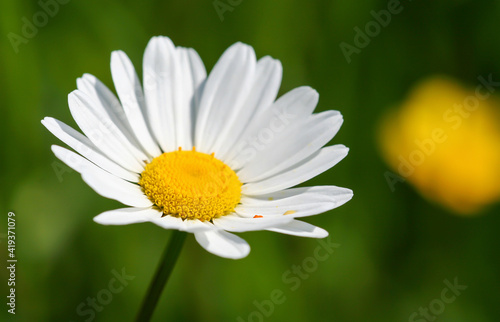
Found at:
(163, 272)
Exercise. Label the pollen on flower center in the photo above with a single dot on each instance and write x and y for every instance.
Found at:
(191, 185)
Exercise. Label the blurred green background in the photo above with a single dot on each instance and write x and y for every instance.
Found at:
(396, 249)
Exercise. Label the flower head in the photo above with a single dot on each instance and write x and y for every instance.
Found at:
(445, 141)
(207, 155)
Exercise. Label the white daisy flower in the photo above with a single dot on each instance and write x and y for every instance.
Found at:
(207, 155)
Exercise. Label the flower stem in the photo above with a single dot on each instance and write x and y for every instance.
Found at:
(163, 272)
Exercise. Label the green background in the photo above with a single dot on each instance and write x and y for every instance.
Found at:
(395, 248)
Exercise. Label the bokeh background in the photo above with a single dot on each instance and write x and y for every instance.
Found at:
(396, 247)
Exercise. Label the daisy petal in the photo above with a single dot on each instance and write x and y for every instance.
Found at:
(103, 133)
(222, 243)
(86, 148)
(298, 202)
(267, 82)
(198, 77)
(289, 109)
(224, 94)
(235, 223)
(262, 94)
(282, 195)
(292, 145)
(192, 226)
(160, 72)
(131, 96)
(125, 216)
(172, 84)
(319, 162)
(301, 229)
(192, 73)
(104, 183)
(106, 103)
(170, 222)
(167, 222)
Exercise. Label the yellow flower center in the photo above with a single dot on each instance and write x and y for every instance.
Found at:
(191, 185)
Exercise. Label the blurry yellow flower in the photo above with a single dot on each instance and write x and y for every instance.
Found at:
(445, 140)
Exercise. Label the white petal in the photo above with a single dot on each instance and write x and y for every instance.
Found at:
(235, 223)
(262, 93)
(222, 243)
(300, 228)
(131, 96)
(198, 78)
(292, 145)
(103, 132)
(159, 65)
(86, 148)
(166, 222)
(307, 169)
(267, 82)
(196, 225)
(192, 73)
(106, 103)
(104, 183)
(297, 202)
(224, 95)
(289, 109)
(125, 216)
(282, 195)
(170, 222)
